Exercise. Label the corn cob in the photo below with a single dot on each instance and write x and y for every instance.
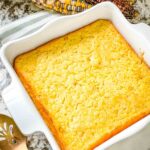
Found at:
(63, 6)
(126, 6)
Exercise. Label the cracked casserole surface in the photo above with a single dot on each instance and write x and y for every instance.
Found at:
(88, 85)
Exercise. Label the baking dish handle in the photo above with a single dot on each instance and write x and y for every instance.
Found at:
(144, 29)
(24, 112)
(18, 105)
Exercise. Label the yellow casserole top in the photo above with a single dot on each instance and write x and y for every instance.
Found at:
(90, 83)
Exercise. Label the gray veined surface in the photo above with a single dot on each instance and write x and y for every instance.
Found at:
(9, 12)
(139, 141)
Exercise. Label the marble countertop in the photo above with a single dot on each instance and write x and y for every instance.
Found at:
(13, 10)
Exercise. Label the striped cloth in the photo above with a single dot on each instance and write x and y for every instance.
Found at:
(12, 31)
(24, 26)
(15, 30)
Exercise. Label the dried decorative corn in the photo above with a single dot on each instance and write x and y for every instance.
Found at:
(63, 6)
(126, 6)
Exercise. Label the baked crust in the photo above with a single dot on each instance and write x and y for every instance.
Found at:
(119, 109)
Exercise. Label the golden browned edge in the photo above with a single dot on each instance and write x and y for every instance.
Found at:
(40, 107)
(118, 130)
(48, 119)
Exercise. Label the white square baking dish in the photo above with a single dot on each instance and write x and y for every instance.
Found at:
(17, 99)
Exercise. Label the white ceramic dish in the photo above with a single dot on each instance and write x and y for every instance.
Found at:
(15, 96)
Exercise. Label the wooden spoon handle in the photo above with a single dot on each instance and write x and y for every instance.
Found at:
(21, 146)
